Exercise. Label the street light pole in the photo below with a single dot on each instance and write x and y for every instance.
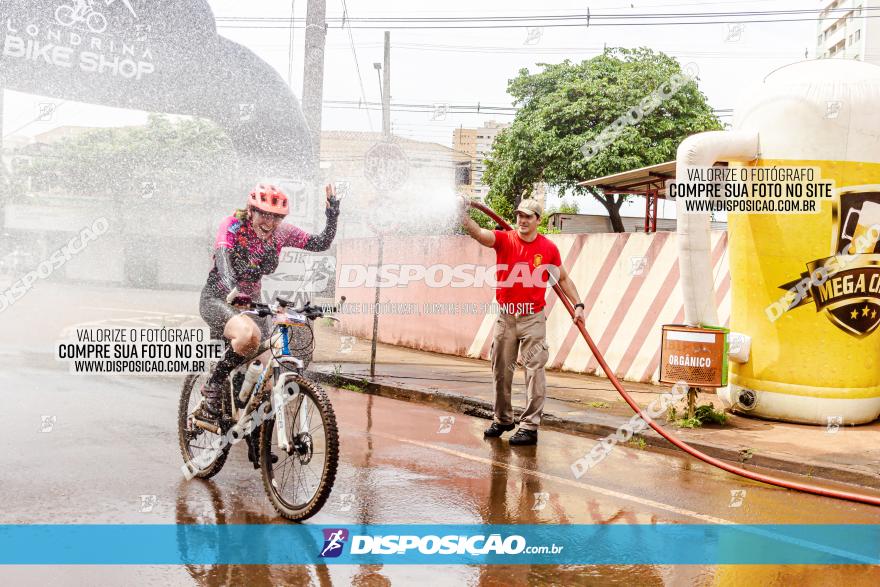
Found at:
(385, 91)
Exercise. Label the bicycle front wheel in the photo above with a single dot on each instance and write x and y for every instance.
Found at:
(298, 481)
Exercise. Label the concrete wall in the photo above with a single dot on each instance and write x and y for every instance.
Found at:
(629, 283)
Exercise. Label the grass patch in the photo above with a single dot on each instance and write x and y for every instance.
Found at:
(598, 405)
(359, 385)
(336, 378)
(637, 442)
(705, 414)
(688, 423)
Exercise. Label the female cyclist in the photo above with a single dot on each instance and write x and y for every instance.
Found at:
(247, 248)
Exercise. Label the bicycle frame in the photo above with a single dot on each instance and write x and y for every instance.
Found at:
(281, 393)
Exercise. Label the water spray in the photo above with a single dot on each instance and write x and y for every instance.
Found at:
(730, 468)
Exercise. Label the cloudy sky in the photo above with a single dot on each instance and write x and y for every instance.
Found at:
(463, 67)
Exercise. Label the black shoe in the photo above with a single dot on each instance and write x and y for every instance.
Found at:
(496, 430)
(524, 437)
(204, 414)
(210, 408)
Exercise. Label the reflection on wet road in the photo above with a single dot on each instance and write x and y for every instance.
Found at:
(110, 455)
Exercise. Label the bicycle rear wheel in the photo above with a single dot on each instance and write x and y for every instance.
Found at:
(299, 483)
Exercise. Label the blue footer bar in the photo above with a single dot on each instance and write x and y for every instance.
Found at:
(289, 544)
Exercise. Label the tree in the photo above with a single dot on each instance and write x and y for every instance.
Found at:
(565, 207)
(191, 157)
(568, 104)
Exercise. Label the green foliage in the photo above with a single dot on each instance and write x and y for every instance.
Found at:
(545, 228)
(336, 378)
(704, 414)
(568, 104)
(565, 207)
(707, 414)
(501, 203)
(688, 423)
(190, 157)
(598, 405)
(481, 219)
(638, 442)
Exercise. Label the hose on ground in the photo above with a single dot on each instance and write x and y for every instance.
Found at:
(725, 466)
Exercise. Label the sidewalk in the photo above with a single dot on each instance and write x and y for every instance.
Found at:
(586, 404)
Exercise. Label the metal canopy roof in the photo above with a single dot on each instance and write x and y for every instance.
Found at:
(637, 180)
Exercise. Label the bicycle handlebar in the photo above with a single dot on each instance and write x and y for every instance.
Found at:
(308, 310)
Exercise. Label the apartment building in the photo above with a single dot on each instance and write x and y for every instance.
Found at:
(846, 30)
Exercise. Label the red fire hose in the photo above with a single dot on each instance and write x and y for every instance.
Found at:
(849, 496)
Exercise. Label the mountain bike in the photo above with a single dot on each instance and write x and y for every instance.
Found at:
(285, 418)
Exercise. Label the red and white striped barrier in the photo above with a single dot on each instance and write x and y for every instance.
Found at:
(628, 282)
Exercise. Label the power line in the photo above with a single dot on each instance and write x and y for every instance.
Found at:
(621, 6)
(583, 49)
(451, 108)
(562, 17)
(565, 20)
(432, 106)
(356, 63)
(554, 25)
(421, 111)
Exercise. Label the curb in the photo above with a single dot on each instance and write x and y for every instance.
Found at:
(602, 425)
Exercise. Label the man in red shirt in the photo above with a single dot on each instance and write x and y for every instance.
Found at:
(528, 265)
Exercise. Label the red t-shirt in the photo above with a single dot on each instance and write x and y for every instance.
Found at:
(524, 270)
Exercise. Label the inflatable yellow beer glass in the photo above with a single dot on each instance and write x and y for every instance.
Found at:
(805, 287)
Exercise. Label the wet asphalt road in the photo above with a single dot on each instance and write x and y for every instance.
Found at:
(113, 440)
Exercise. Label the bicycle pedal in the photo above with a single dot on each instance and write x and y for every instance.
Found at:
(205, 425)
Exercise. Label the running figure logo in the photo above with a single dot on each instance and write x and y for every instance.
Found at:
(84, 11)
(334, 540)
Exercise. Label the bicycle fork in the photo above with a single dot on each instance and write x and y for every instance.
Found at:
(286, 390)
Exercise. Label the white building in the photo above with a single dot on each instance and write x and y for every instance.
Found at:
(846, 30)
(477, 143)
(485, 137)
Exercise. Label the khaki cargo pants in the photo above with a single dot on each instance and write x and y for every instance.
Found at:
(520, 341)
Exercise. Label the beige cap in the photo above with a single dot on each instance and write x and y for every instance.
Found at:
(530, 206)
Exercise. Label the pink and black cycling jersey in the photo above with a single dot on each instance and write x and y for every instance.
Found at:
(249, 257)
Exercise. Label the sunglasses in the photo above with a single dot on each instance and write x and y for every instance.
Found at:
(269, 215)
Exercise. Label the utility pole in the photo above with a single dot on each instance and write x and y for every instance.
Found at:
(290, 47)
(386, 135)
(386, 89)
(3, 174)
(313, 73)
